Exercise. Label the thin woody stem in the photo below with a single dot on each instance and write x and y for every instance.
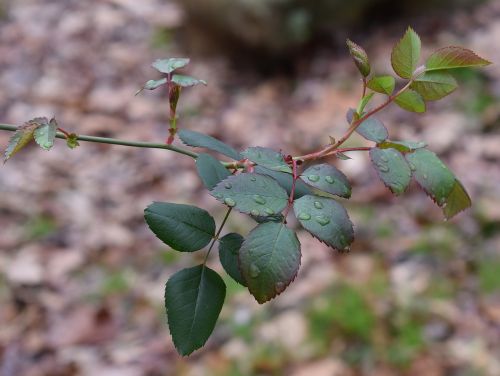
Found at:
(216, 237)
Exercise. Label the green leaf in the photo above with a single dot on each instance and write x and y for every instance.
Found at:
(350, 115)
(152, 84)
(211, 171)
(327, 178)
(434, 85)
(187, 81)
(169, 65)
(269, 260)
(360, 57)
(410, 100)
(251, 193)
(457, 200)
(267, 158)
(185, 228)
(72, 141)
(193, 299)
(21, 138)
(454, 57)
(285, 180)
(326, 220)
(45, 134)
(406, 54)
(431, 174)
(402, 146)
(372, 129)
(382, 84)
(197, 139)
(392, 169)
(363, 102)
(229, 248)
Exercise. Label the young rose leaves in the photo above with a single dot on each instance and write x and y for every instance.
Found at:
(406, 54)
(250, 193)
(438, 182)
(360, 57)
(152, 84)
(372, 129)
(267, 158)
(269, 260)
(454, 57)
(187, 81)
(434, 85)
(72, 141)
(40, 129)
(402, 146)
(382, 84)
(285, 180)
(410, 100)
(170, 65)
(326, 220)
(363, 103)
(210, 170)
(327, 178)
(391, 168)
(185, 228)
(200, 140)
(193, 300)
(229, 249)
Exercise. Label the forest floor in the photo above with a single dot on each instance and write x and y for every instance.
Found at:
(82, 278)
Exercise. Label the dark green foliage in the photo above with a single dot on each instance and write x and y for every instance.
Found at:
(372, 129)
(327, 178)
(200, 140)
(267, 158)
(392, 169)
(229, 248)
(211, 171)
(193, 299)
(269, 260)
(185, 228)
(285, 180)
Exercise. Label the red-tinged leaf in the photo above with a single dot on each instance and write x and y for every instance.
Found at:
(454, 57)
(457, 201)
(434, 85)
(22, 137)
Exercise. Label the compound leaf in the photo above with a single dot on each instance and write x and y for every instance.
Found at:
(454, 57)
(269, 260)
(200, 140)
(392, 169)
(169, 65)
(267, 158)
(431, 174)
(382, 84)
(410, 100)
(406, 54)
(326, 220)
(187, 81)
(193, 300)
(211, 171)
(185, 228)
(229, 248)
(285, 180)
(250, 193)
(327, 178)
(457, 200)
(434, 85)
(372, 129)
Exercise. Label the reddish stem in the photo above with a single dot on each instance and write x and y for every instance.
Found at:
(67, 134)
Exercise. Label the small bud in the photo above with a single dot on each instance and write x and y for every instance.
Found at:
(360, 58)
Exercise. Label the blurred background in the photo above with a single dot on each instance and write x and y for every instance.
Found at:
(81, 276)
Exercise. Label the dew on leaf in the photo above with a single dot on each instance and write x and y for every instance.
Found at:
(279, 287)
(304, 216)
(253, 178)
(383, 168)
(269, 211)
(313, 178)
(254, 271)
(228, 186)
(255, 212)
(412, 167)
(229, 202)
(322, 220)
(318, 205)
(259, 199)
(383, 158)
(329, 179)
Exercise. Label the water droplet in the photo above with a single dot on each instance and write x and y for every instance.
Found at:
(322, 220)
(383, 158)
(253, 178)
(317, 168)
(329, 179)
(259, 199)
(304, 216)
(254, 271)
(425, 176)
(229, 202)
(269, 211)
(218, 195)
(313, 178)
(383, 168)
(412, 167)
(255, 213)
(318, 205)
(279, 287)
(228, 186)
